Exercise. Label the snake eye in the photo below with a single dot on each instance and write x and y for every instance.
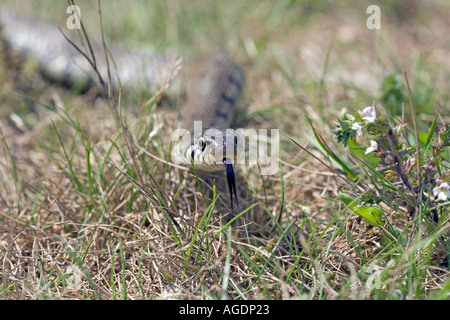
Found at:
(202, 143)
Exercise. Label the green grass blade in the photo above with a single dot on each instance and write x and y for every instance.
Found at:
(330, 153)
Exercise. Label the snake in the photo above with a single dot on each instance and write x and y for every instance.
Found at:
(213, 90)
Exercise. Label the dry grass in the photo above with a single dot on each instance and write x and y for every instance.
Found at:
(74, 227)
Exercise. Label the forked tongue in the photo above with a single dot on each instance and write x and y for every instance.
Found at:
(231, 182)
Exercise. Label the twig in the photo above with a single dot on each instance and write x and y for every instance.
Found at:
(418, 159)
(91, 51)
(104, 49)
(91, 62)
(416, 132)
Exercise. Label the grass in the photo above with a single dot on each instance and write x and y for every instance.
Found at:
(72, 226)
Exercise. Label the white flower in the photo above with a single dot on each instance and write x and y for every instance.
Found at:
(398, 128)
(369, 114)
(442, 191)
(358, 128)
(373, 147)
(409, 164)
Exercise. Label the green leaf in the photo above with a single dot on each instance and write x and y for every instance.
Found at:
(359, 150)
(371, 214)
(430, 133)
(328, 151)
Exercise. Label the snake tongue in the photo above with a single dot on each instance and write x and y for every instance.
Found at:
(231, 181)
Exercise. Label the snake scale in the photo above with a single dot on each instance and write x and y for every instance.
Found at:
(212, 92)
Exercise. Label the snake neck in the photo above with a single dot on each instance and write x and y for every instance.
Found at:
(214, 90)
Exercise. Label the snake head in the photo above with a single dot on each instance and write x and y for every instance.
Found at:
(221, 146)
(211, 150)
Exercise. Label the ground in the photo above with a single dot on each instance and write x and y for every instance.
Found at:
(73, 226)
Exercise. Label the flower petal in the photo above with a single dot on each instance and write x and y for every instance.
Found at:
(369, 114)
(373, 147)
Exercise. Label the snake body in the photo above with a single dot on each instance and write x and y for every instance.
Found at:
(212, 92)
(61, 63)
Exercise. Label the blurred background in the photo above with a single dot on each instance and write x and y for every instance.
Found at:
(61, 203)
(317, 53)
